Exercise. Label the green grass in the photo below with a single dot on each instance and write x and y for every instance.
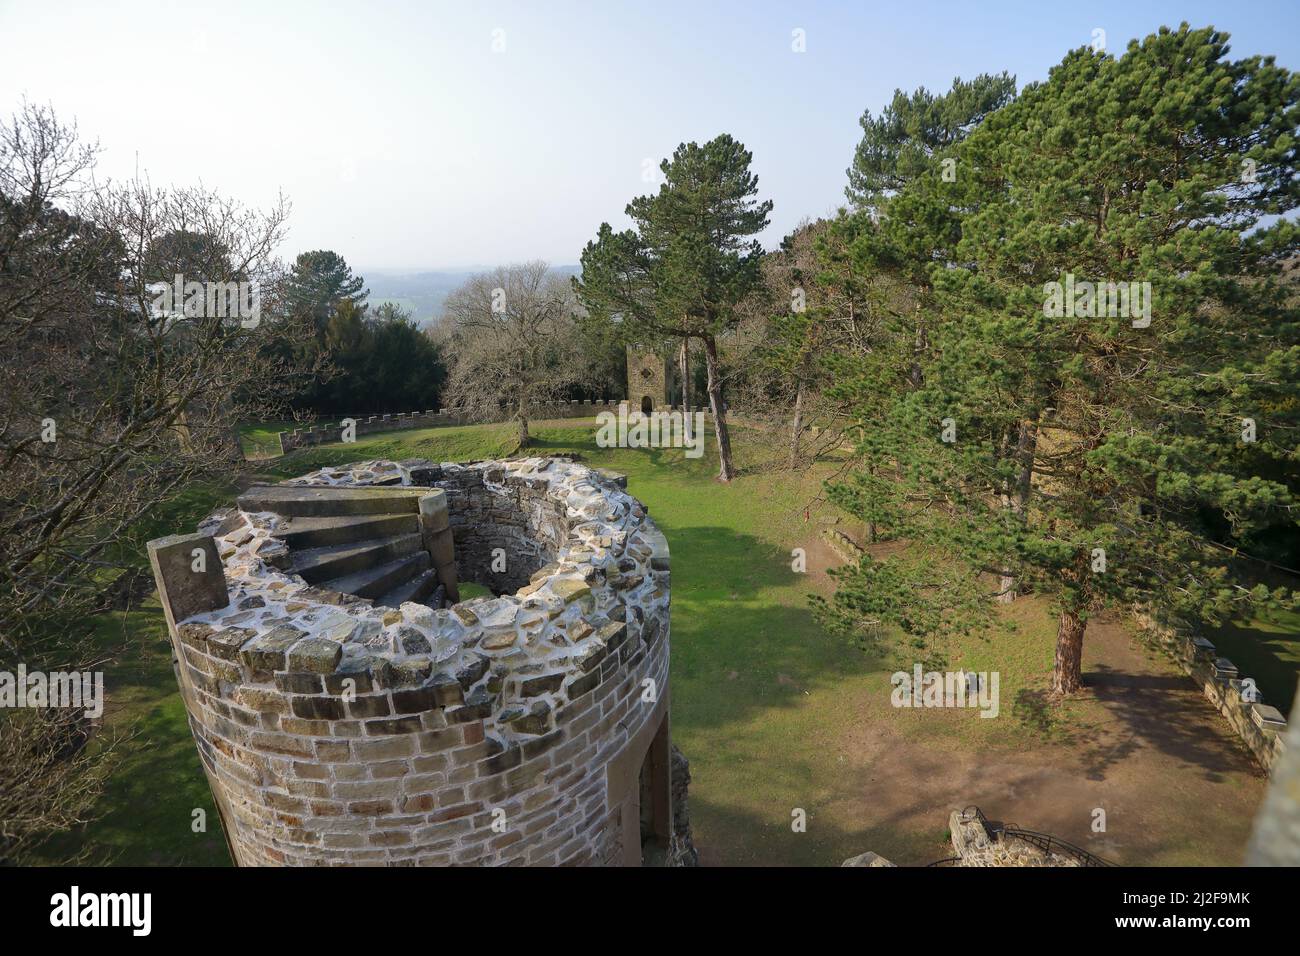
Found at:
(148, 807)
(764, 702)
(1266, 648)
(263, 440)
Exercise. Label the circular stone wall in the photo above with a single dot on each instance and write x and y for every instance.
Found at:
(526, 728)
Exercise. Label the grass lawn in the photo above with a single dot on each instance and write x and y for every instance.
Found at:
(148, 805)
(263, 441)
(1267, 649)
(775, 714)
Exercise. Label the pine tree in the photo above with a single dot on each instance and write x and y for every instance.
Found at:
(318, 283)
(1133, 426)
(689, 261)
(900, 144)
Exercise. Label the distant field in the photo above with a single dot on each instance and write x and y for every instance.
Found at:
(423, 293)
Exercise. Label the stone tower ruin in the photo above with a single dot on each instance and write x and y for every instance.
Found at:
(649, 378)
(349, 710)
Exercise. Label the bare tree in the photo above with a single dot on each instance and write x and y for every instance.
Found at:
(112, 398)
(512, 343)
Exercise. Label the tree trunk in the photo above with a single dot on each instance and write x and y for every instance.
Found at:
(915, 375)
(1067, 676)
(1007, 590)
(684, 370)
(523, 428)
(726, 472)
(796, 426)
(871, 525)
(182, 429)
(1017, 497)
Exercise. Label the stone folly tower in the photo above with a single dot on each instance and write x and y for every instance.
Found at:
(649, 376)
(349, 710)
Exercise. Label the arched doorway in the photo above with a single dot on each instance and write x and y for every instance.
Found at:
(647, 406)
(654, 798)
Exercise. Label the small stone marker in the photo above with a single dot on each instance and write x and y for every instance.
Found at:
(183, 590)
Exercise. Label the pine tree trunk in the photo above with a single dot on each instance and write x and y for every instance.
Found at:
(684, 370)
(1067, 676)
(871, 525)
(1017, 498)
(915, 375)
(726, 471)
(796, 426)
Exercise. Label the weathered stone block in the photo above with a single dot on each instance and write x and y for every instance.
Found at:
(268, 651)
(189, 575)
(1266, 716)
(369, 706)
(415, 701)
(317, 708)
(541, 684)
(315, 655)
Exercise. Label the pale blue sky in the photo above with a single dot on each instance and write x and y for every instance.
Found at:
(405, 141)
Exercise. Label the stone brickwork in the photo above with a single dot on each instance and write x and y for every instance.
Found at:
(1261, 726)
(648, 377)
(527, 728)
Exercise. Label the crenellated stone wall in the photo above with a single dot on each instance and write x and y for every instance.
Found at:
(518, 729)
(372, 424)
(1260, 725)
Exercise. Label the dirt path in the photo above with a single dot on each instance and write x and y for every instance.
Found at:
(1175, 784)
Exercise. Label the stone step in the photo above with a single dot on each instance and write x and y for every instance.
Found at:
(294, 502)
(304, 533)
(416, 589)
(373, 582)
(319, 564)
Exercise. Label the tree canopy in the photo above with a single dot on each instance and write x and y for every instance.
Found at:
(1095, 447)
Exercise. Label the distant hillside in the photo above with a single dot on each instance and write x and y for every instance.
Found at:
(422, 293)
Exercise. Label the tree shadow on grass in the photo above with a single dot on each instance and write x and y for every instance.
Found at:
(146, 813)
(900, 812)
(728, 835)
(1265, 650)
(737, 647)
(1036, 712)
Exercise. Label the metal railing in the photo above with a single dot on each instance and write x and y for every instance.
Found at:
(1044, 841)
(1050, 844)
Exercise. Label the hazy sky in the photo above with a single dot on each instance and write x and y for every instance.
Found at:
(404, 140)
